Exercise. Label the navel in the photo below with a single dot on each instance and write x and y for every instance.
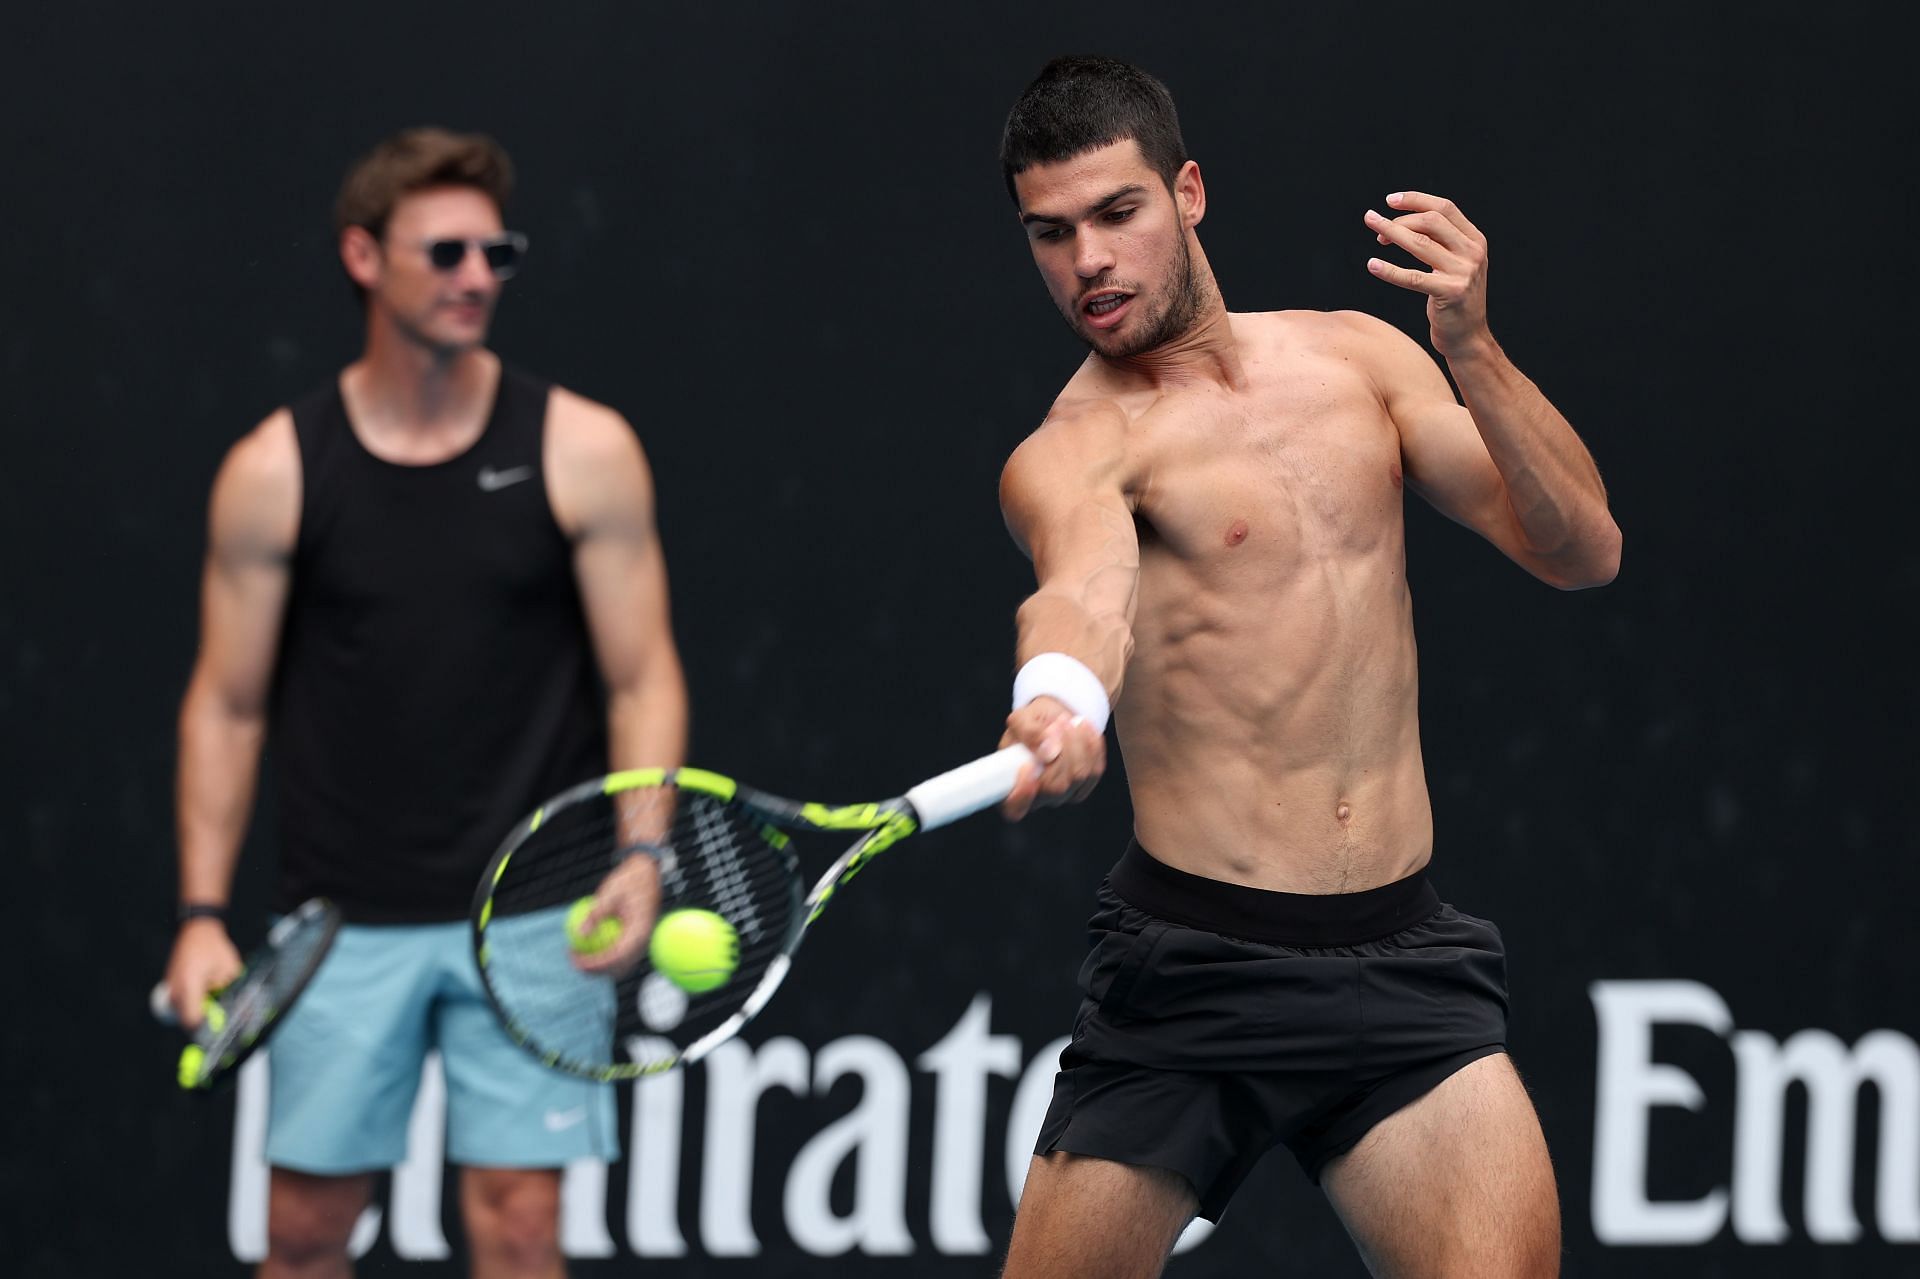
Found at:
(1343, 813)
(1236, 532)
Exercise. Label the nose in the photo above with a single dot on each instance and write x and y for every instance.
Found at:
(1093, 255)
(473, 272)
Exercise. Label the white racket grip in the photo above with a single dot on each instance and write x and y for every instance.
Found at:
(161, 1005)
(965, 790)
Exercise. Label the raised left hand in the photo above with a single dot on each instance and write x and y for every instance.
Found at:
(1438, 234)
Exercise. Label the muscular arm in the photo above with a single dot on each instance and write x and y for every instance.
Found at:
(1507, 464)
(254, 519)
(1064, 503)
(1064, 496)
(603, 497)
(602, 494)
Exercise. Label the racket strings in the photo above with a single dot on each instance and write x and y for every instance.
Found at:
(273, 979)
(711, 856)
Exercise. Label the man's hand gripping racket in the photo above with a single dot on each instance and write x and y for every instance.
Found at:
(611, 955)
(237, 1019)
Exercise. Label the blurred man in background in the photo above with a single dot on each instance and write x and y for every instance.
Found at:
(419, 579)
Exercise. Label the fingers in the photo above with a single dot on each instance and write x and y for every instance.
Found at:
(629, 895)
(1421, 202)
(616, 956)
(1428, 237)
(204, 961)
(189, 1001)
(1071, 754)
(1424, 234)
(620, 955)
(1439, 235)
(1080, 760)
(189, 995)
(1019, 800)
(1028, 727)
(1433, 230)
(1418, 281)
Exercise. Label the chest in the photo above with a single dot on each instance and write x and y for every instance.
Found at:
(1305, 463)
(448, 544)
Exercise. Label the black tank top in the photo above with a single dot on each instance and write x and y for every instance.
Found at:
(436, 679)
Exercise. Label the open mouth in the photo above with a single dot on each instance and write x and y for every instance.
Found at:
(1104, 308)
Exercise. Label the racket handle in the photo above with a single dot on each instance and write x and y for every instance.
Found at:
(160, 1004)
(965, 790)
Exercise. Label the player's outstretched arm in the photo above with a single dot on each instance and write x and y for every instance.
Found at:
(603, 496)
(1507, 465)
(253, 521)
(1065, 496)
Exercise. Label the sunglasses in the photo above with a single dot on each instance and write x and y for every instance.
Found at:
(503, 253)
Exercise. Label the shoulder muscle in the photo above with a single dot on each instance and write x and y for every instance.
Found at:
(596, 469)
(1079, 453)
(255, 509)
(1400, 367)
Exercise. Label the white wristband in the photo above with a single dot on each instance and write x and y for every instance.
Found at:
(1067, 681)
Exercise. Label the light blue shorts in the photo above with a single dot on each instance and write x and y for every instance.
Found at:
(345, 1065)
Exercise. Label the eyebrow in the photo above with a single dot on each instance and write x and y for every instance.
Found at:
(1132, 188)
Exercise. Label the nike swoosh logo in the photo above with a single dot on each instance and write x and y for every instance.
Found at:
(561, 1120)
(492, 481)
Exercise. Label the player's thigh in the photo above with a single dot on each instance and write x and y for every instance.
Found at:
(1458, 1183)
(504, 1108)
(1094, 1218)
(345, 1064)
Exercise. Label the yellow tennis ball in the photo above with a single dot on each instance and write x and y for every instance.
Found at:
(603, 935)
(696, 950)
(192, 1058)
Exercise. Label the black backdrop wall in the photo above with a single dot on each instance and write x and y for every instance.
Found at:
(775, 237)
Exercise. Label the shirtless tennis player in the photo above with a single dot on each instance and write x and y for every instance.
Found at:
(1213, 509)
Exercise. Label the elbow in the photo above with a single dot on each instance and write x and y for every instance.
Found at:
(1597, 564)
(212, 706)
(656, 686)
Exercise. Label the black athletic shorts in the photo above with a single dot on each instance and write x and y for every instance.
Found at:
(1220, 1020)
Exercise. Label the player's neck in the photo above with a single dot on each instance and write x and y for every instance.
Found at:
(1205, 351)
(403, 386)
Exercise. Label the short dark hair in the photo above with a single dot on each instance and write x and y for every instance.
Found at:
(414, 160)
(1077, 104)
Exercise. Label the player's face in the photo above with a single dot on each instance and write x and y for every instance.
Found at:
(1112, 245)
(445, 309)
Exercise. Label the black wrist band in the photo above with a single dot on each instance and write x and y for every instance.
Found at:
(202, 910)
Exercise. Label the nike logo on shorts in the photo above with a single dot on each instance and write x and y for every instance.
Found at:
(492, 481)
(561, 1120)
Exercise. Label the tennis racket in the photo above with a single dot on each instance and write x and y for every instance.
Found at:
(239, 1017)
(720, 847)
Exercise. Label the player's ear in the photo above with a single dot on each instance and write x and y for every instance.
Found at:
(1190, 194)
(360, 255)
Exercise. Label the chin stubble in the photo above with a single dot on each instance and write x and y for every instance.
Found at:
(1175, 318)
